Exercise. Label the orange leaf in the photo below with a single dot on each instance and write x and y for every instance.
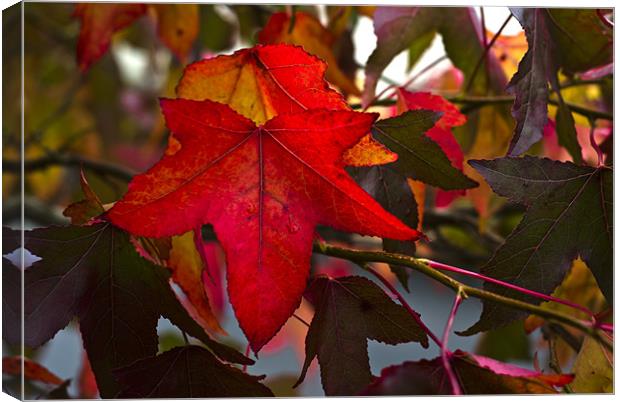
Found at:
(177, 26)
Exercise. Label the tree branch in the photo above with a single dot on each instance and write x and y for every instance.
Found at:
(105, 168)
(361, 257)
(476, 102)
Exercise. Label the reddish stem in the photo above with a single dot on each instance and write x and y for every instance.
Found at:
(406, 305)
(445, 267)
(446, 355)
(599, 153)
(247, 354)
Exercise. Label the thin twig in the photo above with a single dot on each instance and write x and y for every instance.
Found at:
(363, 256)
(597, 149)
(487, 48)
(446, 355)
(450, 268)
(101, 167)
(301, 320)
(476, 102)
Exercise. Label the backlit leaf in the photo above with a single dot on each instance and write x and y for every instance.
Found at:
(264, 190)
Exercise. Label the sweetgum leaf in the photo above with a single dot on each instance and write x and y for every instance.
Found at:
(476, 375)
(94, 273)
(264, 189)
(420, 157)
(187, 372)
(350, 310)
(569, 215)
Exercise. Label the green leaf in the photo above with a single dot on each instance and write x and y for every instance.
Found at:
(476, 375)
(569, 215)
(593, 368)
(419, 157)
(187, 372)
(94, 273)
(390, 189)
(530, 82)
(350, 310)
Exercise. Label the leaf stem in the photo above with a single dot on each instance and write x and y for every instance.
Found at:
(597, 149)
(362, 256)
(450, 268)
(446, 355)
(404, 303)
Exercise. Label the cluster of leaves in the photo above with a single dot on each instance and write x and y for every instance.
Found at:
(262, 150)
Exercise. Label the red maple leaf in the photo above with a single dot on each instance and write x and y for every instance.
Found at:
(264, 189)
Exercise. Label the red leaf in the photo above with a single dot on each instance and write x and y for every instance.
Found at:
(441, 133)
(263, 189)
(98, 23)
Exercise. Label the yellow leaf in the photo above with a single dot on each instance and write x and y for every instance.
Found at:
(177, 26)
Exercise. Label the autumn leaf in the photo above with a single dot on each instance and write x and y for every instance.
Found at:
(350, 310)
(568, 216)
(94, 273)
(263, 189)
(308, 32)
(267, 80)
(187, 372)
(82, 211)
(177, 26)
(98, 23)
(33, 371)
(593, 368)
(476, 375)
